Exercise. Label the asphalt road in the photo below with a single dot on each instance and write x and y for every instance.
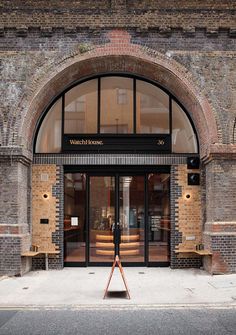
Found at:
(117, 321)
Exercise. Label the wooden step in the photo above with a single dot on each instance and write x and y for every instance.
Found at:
(122, 245)
(129, 237)
(131, 252)
(100, 237)
(104, 237)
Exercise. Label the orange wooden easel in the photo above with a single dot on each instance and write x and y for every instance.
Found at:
(118, 263)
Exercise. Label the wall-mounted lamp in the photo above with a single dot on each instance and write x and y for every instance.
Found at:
(45, 196)
(193, 163)
(193, 179)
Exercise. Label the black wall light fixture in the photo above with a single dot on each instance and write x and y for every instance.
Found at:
(193, 179)
(193, 162)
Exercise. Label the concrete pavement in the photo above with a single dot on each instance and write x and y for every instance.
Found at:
(149, 287)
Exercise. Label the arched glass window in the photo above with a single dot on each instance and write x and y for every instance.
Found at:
(116, 105)
(49, 135)
(81, 109)
(183, 136)
(116, 108)
(152, 109)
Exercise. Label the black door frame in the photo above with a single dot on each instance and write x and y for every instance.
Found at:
(117, 171)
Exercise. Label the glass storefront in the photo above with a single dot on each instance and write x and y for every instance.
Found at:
(139, 202)
(116, 114)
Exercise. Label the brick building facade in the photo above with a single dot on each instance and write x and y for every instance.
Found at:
(185, 47)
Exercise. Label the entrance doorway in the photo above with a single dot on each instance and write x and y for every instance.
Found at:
(95, 200)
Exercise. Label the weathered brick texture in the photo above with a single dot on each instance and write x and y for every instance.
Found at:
(188, 220)
(10, 259)
(96, 14)
(187, 47)
(186, 230)
(220, 226)
(46, 181)
(43, 207)
(14, 213)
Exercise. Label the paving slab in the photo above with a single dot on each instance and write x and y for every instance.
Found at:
(74, 287)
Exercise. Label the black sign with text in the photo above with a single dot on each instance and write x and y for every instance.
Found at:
(117, 143)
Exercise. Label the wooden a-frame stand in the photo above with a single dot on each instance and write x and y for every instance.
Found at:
(117, 262)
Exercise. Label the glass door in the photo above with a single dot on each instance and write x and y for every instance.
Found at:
(102, 215)
(116, 199)
(131, 218)
(75, 218)
(139, 202)
(158, 217)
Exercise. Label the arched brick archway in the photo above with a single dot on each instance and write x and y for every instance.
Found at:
(119, 56)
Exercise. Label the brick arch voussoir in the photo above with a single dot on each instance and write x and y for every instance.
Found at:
(231, 126)
(1, 131)
(136, 60)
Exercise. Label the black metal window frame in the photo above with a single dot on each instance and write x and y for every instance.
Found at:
(135, 135)
(117, 172)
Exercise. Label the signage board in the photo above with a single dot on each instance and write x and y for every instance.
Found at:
(117, 143)
(155, 222)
